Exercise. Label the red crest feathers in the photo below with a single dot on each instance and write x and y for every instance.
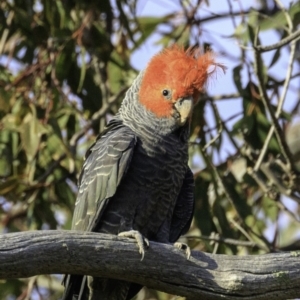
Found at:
(184, 72)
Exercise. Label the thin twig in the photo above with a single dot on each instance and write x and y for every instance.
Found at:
(221, 97)
(265, 168)
(209, 130)
(5, 35)
(261, 183)
(220, 16)
(50, 169)
(231, 13)
(274, 117)
(282, 207)
(245, 233)
(99, 79)
(281, 100)
(292, 37)
(30, 286)
(228, 241)
(220, 128)
(219, 177)
(221, 181)
(231, 138)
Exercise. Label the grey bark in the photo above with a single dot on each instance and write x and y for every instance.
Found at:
(203, 276)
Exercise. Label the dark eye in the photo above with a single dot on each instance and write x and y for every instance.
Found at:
(166, 93)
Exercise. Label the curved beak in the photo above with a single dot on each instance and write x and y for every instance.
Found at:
(184, 107)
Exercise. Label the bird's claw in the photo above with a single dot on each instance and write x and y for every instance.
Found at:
(140, 239)
(184, 247)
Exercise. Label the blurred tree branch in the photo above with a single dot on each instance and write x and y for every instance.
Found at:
(292, 37)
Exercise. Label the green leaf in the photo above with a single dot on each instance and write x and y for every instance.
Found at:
(30, 135)
(252, 34)
(64, 60)
(5, 153)
(237, 78)
(62, 12)
(147, 26)
(11, 287)
(125, 21)
(31, 131)
(245, 124)
(275, 58)
(257, 226)
(55, 146)
(116, 72)
(65, 194)
(270, 208)
(202, 212)
(5, 161)
(278, 21)
(92, 99)
(237, 196)
(183, 36)
(223, 225)
(263, 129)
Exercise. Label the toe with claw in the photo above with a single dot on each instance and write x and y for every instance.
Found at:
(184, 247)
(140, 239)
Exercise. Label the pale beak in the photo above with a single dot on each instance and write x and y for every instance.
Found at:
(184, 107)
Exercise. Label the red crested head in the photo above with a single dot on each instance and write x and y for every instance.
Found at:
(173, 75)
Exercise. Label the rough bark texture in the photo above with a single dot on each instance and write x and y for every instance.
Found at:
(204, 276)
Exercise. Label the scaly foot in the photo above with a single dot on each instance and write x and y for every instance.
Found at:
(141, 240)
(184, 247)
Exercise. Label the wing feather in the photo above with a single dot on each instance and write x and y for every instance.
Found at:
(184, 208)
(106, 162)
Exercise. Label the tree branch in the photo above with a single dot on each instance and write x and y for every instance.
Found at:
(204, 276)
(292, 37)
(274, 116)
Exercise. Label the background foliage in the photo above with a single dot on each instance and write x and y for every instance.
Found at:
(65, 66)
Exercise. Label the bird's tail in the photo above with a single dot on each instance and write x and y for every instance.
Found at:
(75, 286)
(78, 287)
